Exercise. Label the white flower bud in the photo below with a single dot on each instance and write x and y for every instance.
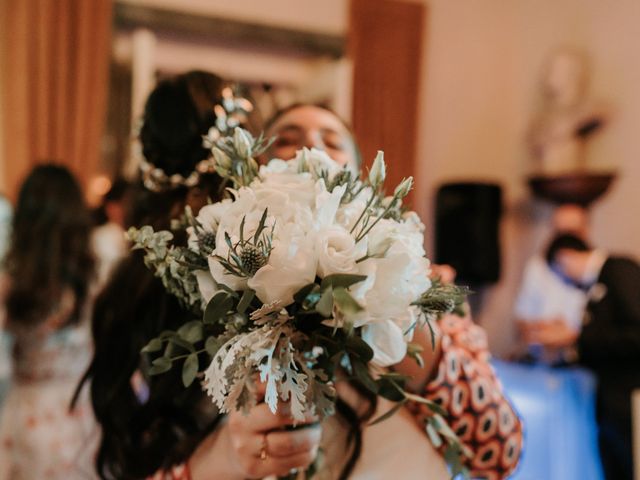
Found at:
(222, 159)
(243, 142)
(404, 188)
(303, 162)
(378, 170)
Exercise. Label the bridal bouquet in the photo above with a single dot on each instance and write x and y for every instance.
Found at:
(304, 269)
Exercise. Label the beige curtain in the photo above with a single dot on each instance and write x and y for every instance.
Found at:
(55, 68)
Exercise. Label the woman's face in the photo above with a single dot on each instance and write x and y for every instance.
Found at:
(312, 127)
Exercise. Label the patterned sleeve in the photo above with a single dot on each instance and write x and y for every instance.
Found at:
(467, 387)
(179, 472)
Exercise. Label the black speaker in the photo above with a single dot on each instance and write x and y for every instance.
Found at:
(467, 230)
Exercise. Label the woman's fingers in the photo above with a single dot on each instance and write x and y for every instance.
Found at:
(260, 419)
(279, 452)
(292, 442)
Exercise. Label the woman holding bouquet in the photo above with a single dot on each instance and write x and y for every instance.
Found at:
(153, 426)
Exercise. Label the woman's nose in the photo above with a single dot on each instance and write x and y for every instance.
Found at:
(313, 140)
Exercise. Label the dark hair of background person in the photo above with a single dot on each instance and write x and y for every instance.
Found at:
(50, 248)
(565, 241)
(283, 111)
(116, 193)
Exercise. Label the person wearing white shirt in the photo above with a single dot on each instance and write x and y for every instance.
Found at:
(545, 297)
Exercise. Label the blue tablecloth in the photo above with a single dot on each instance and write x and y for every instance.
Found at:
(557, 406)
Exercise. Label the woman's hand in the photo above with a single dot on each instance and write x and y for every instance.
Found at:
(257, 445)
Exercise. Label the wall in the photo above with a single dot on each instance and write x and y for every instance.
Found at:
(483, 61)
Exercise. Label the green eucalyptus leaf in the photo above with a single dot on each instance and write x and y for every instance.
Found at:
(345, 302)
(212, 345)
(160, 365)
(433, 406)
(361, 372)
(245, 301)
(154, 345)
(390, 389)
(436, 440)
(227, 290)
(356, 345)
(217, 308)
(191, 332)
(325, 305)
(182, 343)
(167, 334)
(344, 280)
(190, 369)
(387, 414)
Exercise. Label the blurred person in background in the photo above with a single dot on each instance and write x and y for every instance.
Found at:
(46, 293)
(546, 297)
(108, 235)
(477, 409)
(608, 343)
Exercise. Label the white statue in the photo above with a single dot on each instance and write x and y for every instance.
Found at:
(567, 118)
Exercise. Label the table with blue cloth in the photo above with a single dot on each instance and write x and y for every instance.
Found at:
(557, 406)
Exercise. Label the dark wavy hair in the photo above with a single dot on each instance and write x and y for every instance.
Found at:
(140, 436)
(50, 250)
(565, 241)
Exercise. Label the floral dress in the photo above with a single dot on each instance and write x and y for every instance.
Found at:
(40, 437)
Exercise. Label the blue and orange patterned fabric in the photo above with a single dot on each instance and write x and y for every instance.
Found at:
(467, 388)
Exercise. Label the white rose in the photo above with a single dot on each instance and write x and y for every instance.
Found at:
(389, 237)
(398, 281)
(337, 251)
(387, 341)
(209, 216)
(412, 220)
(299, 188)
(292, 265)
(275, 166)
(348, 214)
(327, 203)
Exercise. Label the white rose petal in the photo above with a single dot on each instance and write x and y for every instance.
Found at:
(337, 251)
(206, 285)
(292, 265)
(387, 341)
